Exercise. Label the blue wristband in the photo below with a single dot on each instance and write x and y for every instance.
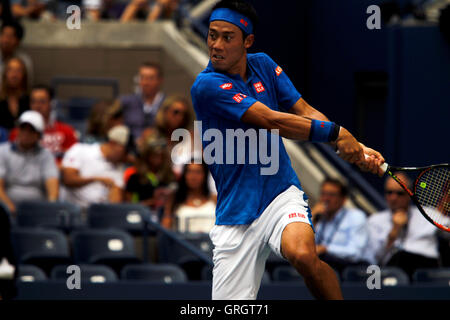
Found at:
(323, 131)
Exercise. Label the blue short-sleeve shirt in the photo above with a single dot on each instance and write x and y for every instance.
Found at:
(220, 100)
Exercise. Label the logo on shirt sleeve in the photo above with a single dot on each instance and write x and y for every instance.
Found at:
(227, 86)
(239, 97)
(278, 70)
(259, 87)
(296, 215)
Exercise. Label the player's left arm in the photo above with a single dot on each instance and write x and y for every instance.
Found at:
(304, 109)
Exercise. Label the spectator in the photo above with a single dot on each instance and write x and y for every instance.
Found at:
(163, 9)
(151, 182)
(32, 9)
(14, 99)
(341, 232)
(140, 109)
(96, 10)
(136, 9)
(58, 137)
(192, 208)
(175, 113)
(11, 34)
(93, 172)
(27, 171)
(104, 115)
(400, 236)
(142, 9)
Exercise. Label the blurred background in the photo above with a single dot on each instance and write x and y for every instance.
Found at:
(388, 86)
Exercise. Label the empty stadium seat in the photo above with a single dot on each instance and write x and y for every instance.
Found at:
(44, 248)
(112, 247)
(90, 273)
(434, 276)
(390, 276)
(170, 251)
(166, 273)
(127, 216)
(80, 107)
(61, 215)
(30, 273)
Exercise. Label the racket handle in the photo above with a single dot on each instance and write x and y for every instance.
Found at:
(384, 167)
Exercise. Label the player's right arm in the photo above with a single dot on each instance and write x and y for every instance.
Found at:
(296, 127)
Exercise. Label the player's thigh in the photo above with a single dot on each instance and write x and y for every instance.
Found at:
(239, 261)
(297, 242)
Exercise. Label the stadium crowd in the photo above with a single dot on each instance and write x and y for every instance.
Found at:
(125, 156)
(95, 10)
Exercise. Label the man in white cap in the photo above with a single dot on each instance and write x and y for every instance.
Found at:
(27, 171)
(93, 173)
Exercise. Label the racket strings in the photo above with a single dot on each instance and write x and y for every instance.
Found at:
(433, 193)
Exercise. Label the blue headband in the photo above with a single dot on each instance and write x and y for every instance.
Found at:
(233, 17)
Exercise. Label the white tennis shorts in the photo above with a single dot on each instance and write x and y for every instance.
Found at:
(240, 251)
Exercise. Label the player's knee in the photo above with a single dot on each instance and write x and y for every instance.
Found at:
(304, 259)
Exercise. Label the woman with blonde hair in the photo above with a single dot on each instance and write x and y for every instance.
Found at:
(175, 113)
(104, 115)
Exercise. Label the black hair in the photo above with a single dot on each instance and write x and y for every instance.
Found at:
(44, 87)
(342, 188)
(241, 7)
(182, 190)
(18, 29)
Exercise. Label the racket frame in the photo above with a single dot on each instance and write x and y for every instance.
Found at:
(389, 171)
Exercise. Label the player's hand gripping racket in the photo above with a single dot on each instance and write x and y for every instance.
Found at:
(431, 192)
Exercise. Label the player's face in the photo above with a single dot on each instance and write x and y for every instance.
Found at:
(227, 48)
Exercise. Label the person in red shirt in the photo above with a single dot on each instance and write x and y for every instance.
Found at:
(58, 137)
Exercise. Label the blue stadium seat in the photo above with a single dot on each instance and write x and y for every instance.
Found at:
(30, 273)
(169, 251)
(61, 215)
(390, 276)
(112, 247)
(80, 107)
(44, 248)
(166, 273)
(90, 273)
(434, 276)
(126, 216)
(172, 252)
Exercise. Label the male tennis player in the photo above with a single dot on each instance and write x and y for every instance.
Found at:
(256, 212)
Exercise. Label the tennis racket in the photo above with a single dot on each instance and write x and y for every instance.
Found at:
(431, 192)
